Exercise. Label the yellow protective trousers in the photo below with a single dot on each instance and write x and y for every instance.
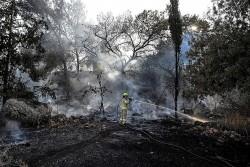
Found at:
(123, 116)
(124, 107)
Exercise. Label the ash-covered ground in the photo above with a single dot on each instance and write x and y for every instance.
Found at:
(92, 141)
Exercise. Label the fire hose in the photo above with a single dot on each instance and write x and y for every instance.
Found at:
(150, 137)
(170, 144)
(173, 145)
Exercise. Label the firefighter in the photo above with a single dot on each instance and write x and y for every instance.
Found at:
(124, 106)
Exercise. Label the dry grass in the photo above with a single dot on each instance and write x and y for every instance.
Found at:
(236, 122)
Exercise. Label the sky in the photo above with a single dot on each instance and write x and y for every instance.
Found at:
(94, 7)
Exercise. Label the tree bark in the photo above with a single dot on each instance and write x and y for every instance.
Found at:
(6, 72)
(66, 78)
(77, 61)
(176, 83)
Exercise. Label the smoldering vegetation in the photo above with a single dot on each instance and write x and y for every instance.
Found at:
(62, 80)
(82, 68)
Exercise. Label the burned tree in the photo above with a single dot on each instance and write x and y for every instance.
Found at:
(175, 27)
(99, 90)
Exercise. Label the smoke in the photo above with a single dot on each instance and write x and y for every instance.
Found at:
(146, 84)
(113, 75)
(116, 84)
(148, 110)
(212, 101)
(14, 133)
(32, 85)
(185, 47)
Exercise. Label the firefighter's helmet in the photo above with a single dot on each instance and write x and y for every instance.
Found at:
(125, 94)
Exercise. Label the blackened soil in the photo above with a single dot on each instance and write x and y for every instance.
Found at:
(159, 143)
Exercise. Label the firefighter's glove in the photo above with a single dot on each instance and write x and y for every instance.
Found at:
(130, 99)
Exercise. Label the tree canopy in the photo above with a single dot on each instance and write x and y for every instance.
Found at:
(175, 27)
(127, 38)
(20, 31)
(221, 55)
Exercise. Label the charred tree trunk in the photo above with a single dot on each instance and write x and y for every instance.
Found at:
(102, 108)
(175, 26)
(102, 91)
(5, 79)
(77, 62)
(176, 85)
(66, 78)
(64, 62)
(124, 86)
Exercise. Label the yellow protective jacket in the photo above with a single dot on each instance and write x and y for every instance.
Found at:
(124, 104)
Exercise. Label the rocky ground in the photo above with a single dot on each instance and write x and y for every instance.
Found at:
(88, 141)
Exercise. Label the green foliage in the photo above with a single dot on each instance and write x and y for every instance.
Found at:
(221, 56)
(29, 63)
(128, 39)
(175, 27)
(99, 90)
(175, 24)
(151, 23)
(193, 21)
(235, 109)
(51, 61)
(237, 101)
(20, 30)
